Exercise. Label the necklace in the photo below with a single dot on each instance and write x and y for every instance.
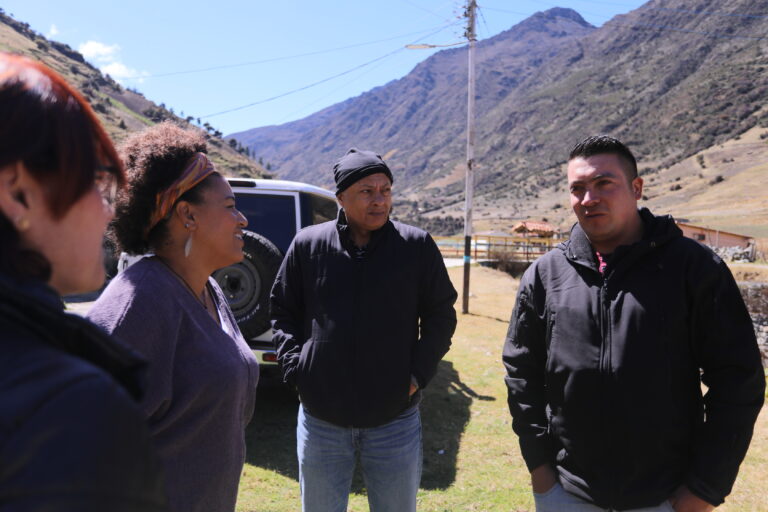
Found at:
(202, 300)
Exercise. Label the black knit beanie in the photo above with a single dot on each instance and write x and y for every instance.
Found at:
(356, 165)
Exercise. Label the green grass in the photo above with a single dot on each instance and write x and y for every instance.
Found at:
(465, 416)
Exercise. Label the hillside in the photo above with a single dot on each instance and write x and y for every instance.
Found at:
(674, 79)
(121, 110)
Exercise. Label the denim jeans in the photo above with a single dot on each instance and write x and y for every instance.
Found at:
(558, 500)
(390, 457)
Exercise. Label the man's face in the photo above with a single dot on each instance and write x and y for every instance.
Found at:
(603, 199)
(367, 202)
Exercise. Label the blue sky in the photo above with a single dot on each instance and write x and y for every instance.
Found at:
(203, 58)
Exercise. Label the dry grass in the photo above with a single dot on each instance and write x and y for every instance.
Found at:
(465, 416)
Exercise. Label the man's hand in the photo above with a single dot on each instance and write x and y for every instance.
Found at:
(543, 478)
(683, 500)
(414, 386)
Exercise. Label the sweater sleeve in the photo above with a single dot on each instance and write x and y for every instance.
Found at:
(141, 318)
(437, 316)
(286, 311)
(726, 350)
(85, 449)
(524, 357)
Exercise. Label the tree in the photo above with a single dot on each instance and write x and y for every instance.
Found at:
(233, 143)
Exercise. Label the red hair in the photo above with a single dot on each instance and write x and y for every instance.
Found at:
(46, 125)
(49, 127)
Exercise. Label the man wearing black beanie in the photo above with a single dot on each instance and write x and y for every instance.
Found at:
(362, 312)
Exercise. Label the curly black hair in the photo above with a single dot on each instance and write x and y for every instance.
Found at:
(154, 158)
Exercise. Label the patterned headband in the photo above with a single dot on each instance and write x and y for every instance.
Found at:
(197, 170)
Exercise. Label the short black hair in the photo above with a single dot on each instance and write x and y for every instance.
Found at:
(604, 144)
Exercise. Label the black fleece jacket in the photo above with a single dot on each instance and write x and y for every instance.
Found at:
(350, 332)
(603, 371)
(71, 435)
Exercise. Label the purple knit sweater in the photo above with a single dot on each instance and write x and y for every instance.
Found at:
(201, 382)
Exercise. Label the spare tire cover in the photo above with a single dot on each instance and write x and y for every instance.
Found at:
(247, 284)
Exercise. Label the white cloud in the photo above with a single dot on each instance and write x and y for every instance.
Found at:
(107, 58)
(100, 52)
(53, 32)
(120, 71)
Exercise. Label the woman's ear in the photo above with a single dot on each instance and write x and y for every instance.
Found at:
(185, 212)
(14, 194)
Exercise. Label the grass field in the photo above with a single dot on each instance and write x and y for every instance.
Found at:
(471, 457)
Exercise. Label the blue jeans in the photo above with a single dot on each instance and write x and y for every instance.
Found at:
(390, 458)
(558, 499)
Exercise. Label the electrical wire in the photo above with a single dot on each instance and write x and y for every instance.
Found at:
(309, 86)
(275, 59)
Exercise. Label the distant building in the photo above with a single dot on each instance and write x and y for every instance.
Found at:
(715, 237)
(535, 228)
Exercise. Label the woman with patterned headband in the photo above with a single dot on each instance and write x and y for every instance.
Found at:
(202, 376)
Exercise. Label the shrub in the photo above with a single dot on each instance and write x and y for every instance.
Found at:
(506, 262)
(716, 180)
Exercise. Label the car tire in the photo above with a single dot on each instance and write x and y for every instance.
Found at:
(247, 284)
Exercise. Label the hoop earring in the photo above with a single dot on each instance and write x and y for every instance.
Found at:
(188, 246)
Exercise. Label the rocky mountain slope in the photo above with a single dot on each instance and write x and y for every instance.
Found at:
(121, 110)
(682, 82)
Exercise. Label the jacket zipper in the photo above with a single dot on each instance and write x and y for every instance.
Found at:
(605, 367)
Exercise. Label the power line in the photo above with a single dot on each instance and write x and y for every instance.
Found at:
(276, 59)
(412, 4)
(342, 86)
(325, 79)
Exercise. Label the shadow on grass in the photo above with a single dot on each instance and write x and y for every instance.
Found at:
(445, 412)
(490, 318)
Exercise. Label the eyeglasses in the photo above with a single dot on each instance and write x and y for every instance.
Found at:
(106, 183)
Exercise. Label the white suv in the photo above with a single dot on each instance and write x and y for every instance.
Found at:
(276, 210)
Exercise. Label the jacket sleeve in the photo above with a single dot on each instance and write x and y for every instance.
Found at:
(437, 317)
(84, 449)
(286, 311)
(726, 350)
(524, 357)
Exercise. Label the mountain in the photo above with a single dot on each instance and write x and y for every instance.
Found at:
(417, 120)
(120, 110)
(677, 80)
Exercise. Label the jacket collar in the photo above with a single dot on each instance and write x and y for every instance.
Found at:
(32, 306)
(657, 231)
(345, 236)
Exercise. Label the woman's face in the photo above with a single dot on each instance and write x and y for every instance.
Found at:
(219, 233)
(73, 243)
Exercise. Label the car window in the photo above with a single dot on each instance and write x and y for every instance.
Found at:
(272, 216)
(316, 209)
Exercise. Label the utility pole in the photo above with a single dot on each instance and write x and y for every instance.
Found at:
(470, 176)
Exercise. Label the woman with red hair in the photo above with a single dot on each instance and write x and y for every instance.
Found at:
(71, 435)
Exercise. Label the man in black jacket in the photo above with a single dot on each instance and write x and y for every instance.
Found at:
(362, 312)
(611, 336)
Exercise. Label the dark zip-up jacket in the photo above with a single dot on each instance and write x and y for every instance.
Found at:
(350, 332)
(603, 371)
(71, 435)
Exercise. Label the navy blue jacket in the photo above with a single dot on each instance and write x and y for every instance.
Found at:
(350, 332)
(71, 435)
(603, 371)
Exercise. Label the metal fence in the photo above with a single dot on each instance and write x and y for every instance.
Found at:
(491, 247)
